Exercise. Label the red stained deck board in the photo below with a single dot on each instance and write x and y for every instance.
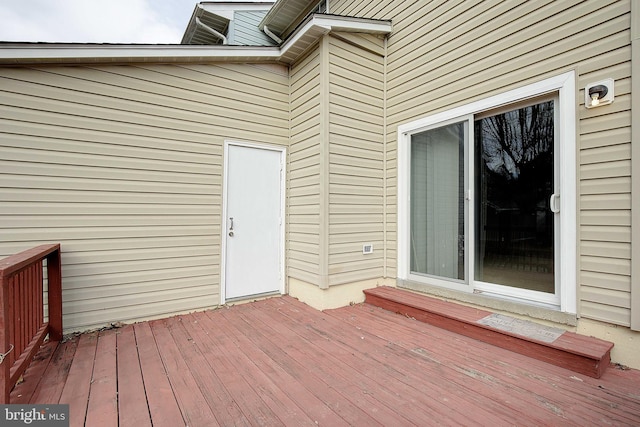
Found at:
(163, 407)
(132, 402)
(282, 406)
(279, 344)
(586, 355)
(102, 409)
(431, 381)
(306, 384)
(303, 404)
(320, 354)
(23, 393)
(252, 343)
(193, 405)
(249, 400)
(50, 386)
(76, 389)
(357, 391)
(337, 367)
(369, 379)
(203, 362)
(554, 391)
(434, 379)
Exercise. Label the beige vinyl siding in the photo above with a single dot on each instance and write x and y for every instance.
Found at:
(635, 158)
(356, 156)
(444, 54)
(605, 188)
(123, 166)
(303, 260)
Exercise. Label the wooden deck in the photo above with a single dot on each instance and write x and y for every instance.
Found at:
(280, 362)
(582, 354)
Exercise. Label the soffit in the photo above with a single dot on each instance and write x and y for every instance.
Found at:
(195, 34)
(285, 15)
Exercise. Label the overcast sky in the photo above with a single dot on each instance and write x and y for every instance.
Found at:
(95, 21)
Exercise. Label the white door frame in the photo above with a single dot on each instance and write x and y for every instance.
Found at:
(565, 86)
(224, 214)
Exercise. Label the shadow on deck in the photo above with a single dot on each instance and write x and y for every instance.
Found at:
(280, 362)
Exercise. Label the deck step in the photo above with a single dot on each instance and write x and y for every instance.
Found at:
(586, 355)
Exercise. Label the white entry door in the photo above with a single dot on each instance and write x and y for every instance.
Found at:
(254, 211)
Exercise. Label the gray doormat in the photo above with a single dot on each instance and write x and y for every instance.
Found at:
(521, 327)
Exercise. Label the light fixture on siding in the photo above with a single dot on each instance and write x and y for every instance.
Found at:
(598, 94)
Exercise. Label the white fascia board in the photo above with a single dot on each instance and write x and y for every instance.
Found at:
(306, 29)
(335, 23)
(135, 53)
(77, 53)
(353, 25)
(227, 9)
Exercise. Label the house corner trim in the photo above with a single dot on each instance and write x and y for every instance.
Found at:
(635, 166)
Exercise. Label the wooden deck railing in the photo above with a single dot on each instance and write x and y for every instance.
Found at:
(22, 324)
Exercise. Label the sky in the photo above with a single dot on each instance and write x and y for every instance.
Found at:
(95, 21)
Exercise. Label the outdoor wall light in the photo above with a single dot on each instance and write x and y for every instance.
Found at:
(598, 94)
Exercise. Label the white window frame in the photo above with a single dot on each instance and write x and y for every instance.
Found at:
(564, 85)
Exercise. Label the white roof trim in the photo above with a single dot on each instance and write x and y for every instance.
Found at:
(64, 53)
(316, 26)
(349, 24)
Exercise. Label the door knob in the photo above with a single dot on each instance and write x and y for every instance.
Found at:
(553, 203)
(231, 234)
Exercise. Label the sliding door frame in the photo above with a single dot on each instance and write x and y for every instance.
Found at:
(564, 86)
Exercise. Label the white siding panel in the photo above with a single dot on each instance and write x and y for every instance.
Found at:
(123, 166)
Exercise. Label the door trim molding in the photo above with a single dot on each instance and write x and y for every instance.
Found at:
(565, 85)
(223, 216)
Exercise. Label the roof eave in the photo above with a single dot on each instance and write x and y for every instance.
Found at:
(299, 8)
(300, 40)
(20, 54)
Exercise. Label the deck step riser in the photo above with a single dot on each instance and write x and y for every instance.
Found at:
(568, 351)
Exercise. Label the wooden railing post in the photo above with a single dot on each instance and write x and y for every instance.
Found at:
(54, 273)
(5, 345)
(21, 310)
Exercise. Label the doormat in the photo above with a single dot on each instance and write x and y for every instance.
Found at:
(521, 327)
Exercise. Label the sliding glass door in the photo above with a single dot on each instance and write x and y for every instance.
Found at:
(514, 188)
(437, 202)
(482, 195)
